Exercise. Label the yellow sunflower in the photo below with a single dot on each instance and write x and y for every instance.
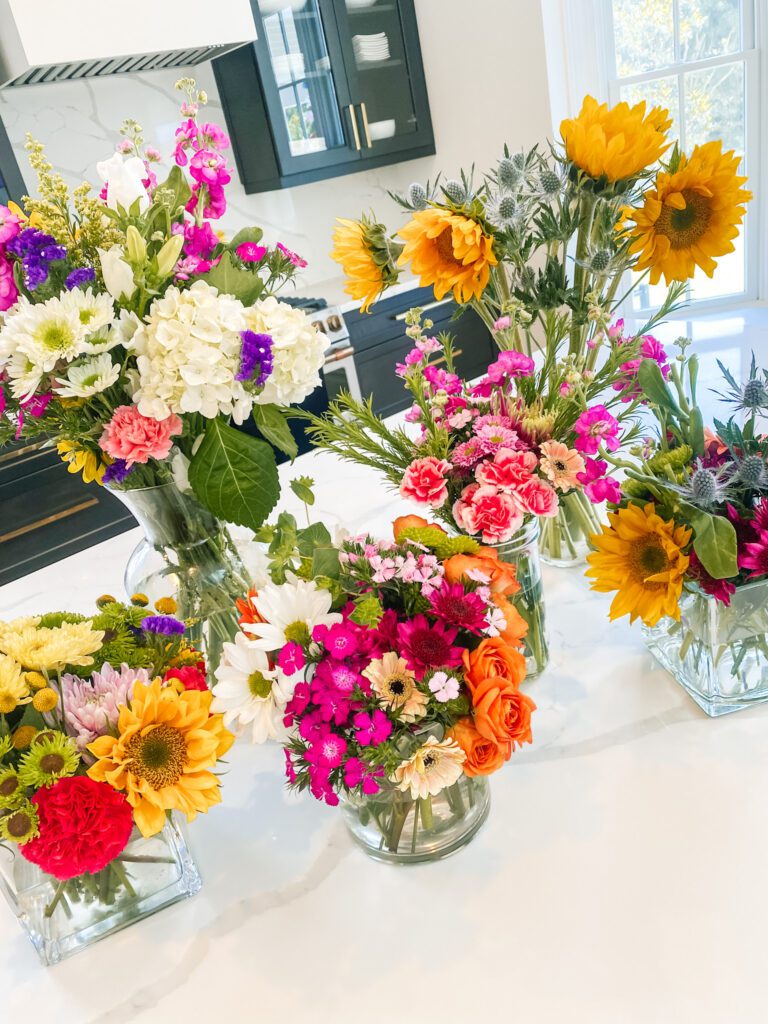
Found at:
(448, 251)
(363, 250)
(615, 142)
(80, 460)
(690, 216)
(166, 745)
(640, 556)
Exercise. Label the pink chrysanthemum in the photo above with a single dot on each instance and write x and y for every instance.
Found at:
(451, 603)
(426, 646)
(468, 453)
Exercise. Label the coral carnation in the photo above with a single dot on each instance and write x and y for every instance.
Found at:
(135, 438)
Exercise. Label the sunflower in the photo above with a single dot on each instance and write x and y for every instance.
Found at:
(448, 251)
(364, 252)
(640, 556)
(690, 216)
(615, 143)
(81, 460)
(166, 744)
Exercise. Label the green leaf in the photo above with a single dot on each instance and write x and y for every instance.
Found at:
(233, 280)
(715, 544)
(313, 537)
(176, 183)
(235, 475)
(655, 387)
(696, 431)
(272, 423)
(368, 611)
(302, 488)
(246, 235)
(325, 562)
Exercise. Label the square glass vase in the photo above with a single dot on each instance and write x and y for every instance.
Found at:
(718, 653)
(62, 918)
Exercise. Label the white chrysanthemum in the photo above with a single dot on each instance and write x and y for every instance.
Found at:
(290, 610)
(94, 310)
(89, 378)
(250, 693)
(188, 355)
(298, 351)
(35, 339)
(24, 375)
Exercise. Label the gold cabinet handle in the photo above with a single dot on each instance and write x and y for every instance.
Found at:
(363, 111)
(355, 132)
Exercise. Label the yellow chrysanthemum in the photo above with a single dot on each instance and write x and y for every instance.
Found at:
(448, 251)
(162, 757)
(691, 216)
(640, 555)
(13, 687)
(80, 460)
(44, 650)
(361, 249)
(615, 143)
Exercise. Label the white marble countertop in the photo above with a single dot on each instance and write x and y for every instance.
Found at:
(620, 878)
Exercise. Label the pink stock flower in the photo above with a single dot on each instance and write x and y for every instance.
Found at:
(593, 426)
(597, 486)
(424, 481)
(507, 470)
(627, 383)
(442, 380)
(153, 155)
(487, 511)
(413, 415)
(372, 729)
(215, 202)
(510, 364)
(426, 645)
(293, 257)
(186, 135)
(502, 324)
(537, 497)
(9, 293)
(10, 225)
(616, 330)
(249, 252)
(135, 438)
(210, 168)
(199, 239)
(428, 345)
(213, 136)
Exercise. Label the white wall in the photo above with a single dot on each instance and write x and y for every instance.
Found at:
(487, 80)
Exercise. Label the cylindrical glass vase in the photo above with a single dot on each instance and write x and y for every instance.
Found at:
(564, 539)
(392, 826)
(62, 918)
(187, 554)
(522, 551)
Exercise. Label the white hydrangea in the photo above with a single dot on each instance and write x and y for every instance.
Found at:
(298, 351)
(188, 354)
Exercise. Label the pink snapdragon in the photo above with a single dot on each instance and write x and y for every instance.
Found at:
(135, 438)
(594, 426)
(424, 481)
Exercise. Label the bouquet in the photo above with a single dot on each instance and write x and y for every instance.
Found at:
(105, 729)
(539, 248)
(392, 676)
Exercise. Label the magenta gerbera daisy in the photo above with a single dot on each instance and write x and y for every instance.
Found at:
(425, 645)
(454, 605)
(755, 556)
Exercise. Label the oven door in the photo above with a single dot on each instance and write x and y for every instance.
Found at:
(340, 374)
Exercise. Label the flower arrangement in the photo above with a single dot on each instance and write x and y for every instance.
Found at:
(538, 249)
(105, 728)
(390, 671)
(134, 335)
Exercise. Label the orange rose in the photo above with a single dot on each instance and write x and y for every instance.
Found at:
(403, 523)
(516, 628)
(502, 712)
(493, 657)
(484, 757)
(501, 575)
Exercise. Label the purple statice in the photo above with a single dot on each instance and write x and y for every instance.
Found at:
(117, 472)
(37, 251)
(82, 275)
(255, 358)
(165, 624)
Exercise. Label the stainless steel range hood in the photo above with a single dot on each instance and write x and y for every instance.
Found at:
(58, 40)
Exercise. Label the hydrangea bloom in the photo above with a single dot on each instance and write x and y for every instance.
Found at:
(298, 351)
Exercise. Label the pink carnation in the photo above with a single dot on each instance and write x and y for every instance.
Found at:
(135, 438)
(507, 470)
(424, 481)
(537, 498)
(486, 511)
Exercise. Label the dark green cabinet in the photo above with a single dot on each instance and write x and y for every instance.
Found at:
(329, 87)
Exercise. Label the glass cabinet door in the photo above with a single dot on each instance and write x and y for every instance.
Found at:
(310, 111)
(381, 43)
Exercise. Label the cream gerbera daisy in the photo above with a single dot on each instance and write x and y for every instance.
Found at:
(248, 692)
(45, 650)
(13, 686)
(290, 612)
(561, 464)
(435, 765)
(395, 685)
(88, 378)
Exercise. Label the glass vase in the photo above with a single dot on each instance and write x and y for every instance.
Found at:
(187, 554)
(62, 918)
(564, 539)
(391, 826)
(522, 551)
(718, 653)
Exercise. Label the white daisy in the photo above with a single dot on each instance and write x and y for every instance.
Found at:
(24, 376)
(88, 378)
(93, 310)
(291, 611)
(250, 693)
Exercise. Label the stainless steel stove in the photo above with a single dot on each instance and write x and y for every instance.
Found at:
(339, 371)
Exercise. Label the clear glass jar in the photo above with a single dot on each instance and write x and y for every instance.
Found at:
(564, 540)
(392, 826)
(187, 554)
(522, 551)
(718, 653)
(61, 918)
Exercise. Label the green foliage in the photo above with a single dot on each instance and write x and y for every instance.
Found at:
(302, 488)
(273, 425)
(232, 279)
(253, 235)
(368, 611)
(715, 544)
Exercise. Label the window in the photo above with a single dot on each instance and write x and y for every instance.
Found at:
(696, 58)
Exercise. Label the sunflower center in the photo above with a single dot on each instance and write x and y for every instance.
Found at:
(297, 633)
(55, 336)
(259, 685)
(685, 227)
(50, 763)
(444, 245)
(648, 559)
(159, 756)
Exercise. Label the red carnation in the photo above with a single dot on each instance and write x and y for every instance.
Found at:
(84, 824)
(191, 677)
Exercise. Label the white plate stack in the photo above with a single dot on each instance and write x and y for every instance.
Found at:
(371, 48)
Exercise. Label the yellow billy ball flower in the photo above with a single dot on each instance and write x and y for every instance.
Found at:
(45, 700)
(35, 680)
(140, 600)
(23, 736)
(166, 606)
